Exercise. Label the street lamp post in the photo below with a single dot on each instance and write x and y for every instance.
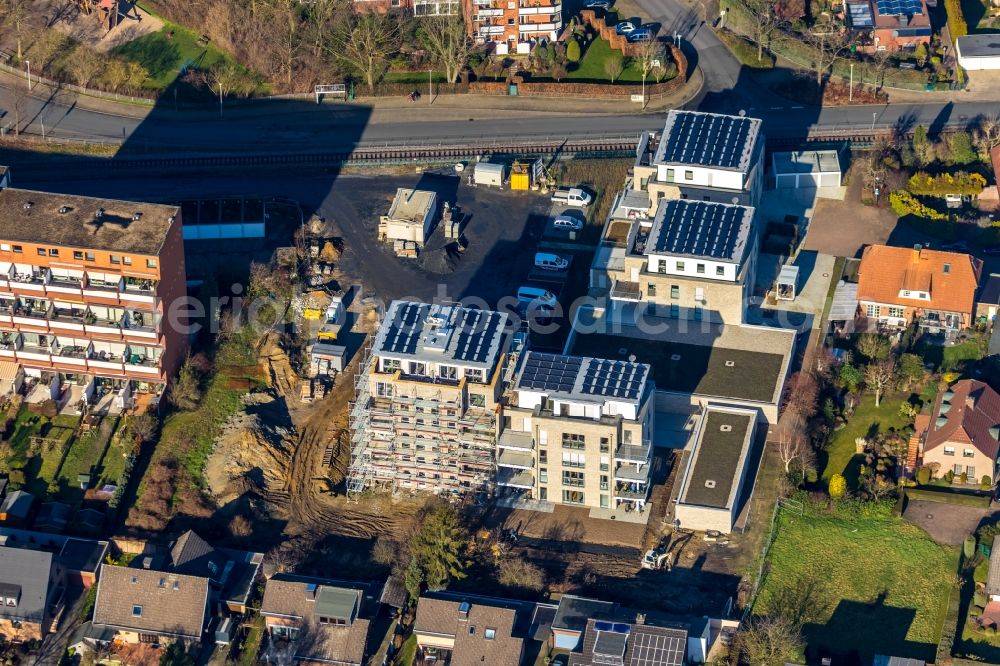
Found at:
(850, 92)
(430, 87)
(874, 116)
(28, 65)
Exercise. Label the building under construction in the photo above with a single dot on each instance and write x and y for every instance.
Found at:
(427, 401)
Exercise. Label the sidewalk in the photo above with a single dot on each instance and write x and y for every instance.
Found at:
(384, 109)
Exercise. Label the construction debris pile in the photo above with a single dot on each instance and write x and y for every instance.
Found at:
(253, 451)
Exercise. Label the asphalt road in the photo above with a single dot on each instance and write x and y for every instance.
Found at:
(294, 126)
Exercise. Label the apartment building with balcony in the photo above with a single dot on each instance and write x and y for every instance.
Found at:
(578, 431)
(692, 260)
(85, 287)
(702, 156)
(513, 26)
(425, 415)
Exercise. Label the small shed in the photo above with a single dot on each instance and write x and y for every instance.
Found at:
(806, 169)
(489, 173)
(327, 359)
(978, 52)
(786, 287)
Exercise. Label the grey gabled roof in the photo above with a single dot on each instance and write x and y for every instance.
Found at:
(18, 503)
(28, 571)
(993, 578)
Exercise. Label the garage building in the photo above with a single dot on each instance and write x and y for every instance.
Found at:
(806, 169)
(978, 52)
(717, 470)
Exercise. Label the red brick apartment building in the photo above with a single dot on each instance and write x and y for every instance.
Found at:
(85, 287)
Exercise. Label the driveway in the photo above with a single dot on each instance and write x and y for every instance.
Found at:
(948, 524)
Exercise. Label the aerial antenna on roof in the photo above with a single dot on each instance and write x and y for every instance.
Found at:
(743, 113)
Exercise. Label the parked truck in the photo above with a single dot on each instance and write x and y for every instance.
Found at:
(571, 196)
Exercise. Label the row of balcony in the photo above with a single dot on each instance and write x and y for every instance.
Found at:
(24, 278)
(59, 317)
(81, 355)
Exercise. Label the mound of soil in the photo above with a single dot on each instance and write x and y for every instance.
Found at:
(253, 451)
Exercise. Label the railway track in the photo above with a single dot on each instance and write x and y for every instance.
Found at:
(427, 151)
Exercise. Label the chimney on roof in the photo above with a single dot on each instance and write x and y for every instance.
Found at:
(311, 591)
(640, 618)
(463, 610)
(916, 252)
(147, 562)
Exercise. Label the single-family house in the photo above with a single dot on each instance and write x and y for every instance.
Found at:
(633, 643)
(316, 621)
(469, 633)
(31, 591)
(898, 285)
(149, 606)
(961, 432)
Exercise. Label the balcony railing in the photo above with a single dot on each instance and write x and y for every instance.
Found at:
(511, 439)
(630, 473)
(574, 444)
(622, 290)
(573, 483)
(632, 453)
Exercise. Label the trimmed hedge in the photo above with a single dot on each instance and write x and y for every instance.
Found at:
(960, 182)
(903, 203)
(947, 497)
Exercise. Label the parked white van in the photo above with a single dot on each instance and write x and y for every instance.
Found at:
(537, 296)
(550, 262)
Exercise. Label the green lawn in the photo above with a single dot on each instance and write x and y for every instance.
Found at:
(867, 418)
(165, 53)
(591, 65)
(954, 358)
(113, 464)
(878, 584)
(948, 497)
(41, 467)
(85, 456)
(408, 652)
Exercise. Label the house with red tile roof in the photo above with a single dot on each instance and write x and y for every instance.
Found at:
(898, 285)
(963, 432)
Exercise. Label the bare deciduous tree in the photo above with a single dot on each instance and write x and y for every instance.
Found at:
(986, 134)
(614, 65)
(227, 78)
(826, 45)
(446, 39)
(768, 641)
(765, 21)
(15, 14)
(880, 61)
(285, 40)
(880, 377)
(366, 44)
(84, 64)
(790, 446)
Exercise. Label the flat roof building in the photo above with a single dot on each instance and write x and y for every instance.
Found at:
(425, 414)
(978, 52)
(85, 285)
(410, 218)
(717, 467)
(806, 169)
(579, 432)
(707, 156)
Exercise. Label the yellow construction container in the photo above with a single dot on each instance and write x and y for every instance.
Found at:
(312, 313)
(520, 176)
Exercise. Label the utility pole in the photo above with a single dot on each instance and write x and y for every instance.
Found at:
(28, 64)
(874, 116)
(850, 93)
(430, 86)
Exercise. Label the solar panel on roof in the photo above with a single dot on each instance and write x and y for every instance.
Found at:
(899, 7)
(707, 139)
(699, 228)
